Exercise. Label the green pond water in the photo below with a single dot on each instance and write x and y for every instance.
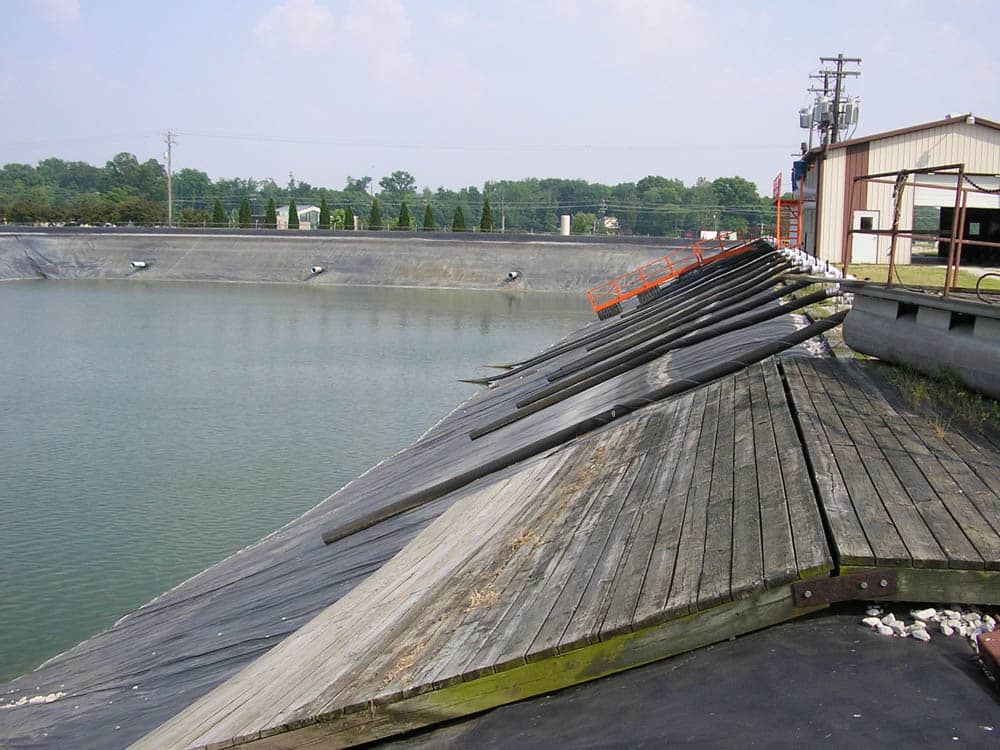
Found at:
(149, 430)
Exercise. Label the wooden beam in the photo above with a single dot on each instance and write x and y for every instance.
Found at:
(390, 715)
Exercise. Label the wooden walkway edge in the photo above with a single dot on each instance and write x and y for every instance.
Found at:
(682, 525)
(686, 523)
(391, 715)
(899, 489)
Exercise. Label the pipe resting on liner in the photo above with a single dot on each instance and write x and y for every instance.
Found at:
(562, 389)
(416, 499)
(711, 286)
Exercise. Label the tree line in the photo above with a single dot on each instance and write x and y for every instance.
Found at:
(125, 191)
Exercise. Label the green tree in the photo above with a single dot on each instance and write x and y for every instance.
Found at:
(348, 217)
(458, 220)
(704, 213)
(138, 210)
(397, 186)
(90, 208)
(324, 215)
(337, 218)
(293, 214)
(583, 223)
(428, 218)
(193, 217)
(218, 214)
(404, 217)
(270, 215)
(486, 221)
(192, 185)
(741, 204)
(246, 217)
(375, 217)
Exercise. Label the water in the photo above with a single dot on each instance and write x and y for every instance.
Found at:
(149, 430)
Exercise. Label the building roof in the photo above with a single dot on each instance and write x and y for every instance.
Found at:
(950, 120)
(283, 210)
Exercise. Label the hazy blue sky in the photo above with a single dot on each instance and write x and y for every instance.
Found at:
(457, 91)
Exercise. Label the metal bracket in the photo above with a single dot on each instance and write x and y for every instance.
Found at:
(869, 584)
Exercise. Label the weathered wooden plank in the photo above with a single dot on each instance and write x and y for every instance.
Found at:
(543, 588)
(879, 529)
(690, 551)
(716, 568)
(660, 571)
(835, 430)
(982, 461)
(585, 622)
(324, 648)
(651, 450)
(654, 493)
(892, 431)
(567, 501)
(874, 450)
(947, 493)
(748, 561)
(935, 585)
(812, 552)
(777, 551)
(365, 723)
(940, 474)
(973, 502)
(379, 654)
(434, 631)
(850, 542)
(573, 575)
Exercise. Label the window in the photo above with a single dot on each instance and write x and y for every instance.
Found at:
(866, 224)
(973, 228)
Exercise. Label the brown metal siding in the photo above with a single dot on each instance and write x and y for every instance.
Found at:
(855, 192)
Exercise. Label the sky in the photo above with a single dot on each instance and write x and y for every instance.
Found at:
(459, 92)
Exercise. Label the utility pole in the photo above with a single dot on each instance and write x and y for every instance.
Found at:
(840, 73)
(169, 138)
(830, 130)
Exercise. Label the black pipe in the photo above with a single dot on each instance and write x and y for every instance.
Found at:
(717, 300)
(691, 334)
(588, 379)
(684, 284)
(426, 495)
(712, 275)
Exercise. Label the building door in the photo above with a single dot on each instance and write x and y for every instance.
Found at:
(864, 246)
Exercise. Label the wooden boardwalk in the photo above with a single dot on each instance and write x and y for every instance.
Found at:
(687, 522)
(679, 526)
(900, 489)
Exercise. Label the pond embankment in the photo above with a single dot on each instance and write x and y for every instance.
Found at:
(552, 264)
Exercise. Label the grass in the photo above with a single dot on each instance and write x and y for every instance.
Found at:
(920, 276)
(948, 397)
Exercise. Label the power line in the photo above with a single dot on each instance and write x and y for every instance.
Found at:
(261, 138)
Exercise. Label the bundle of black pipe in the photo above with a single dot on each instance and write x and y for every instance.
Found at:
(707, 375)
(718, 301)
(729, 278)
(588, 378)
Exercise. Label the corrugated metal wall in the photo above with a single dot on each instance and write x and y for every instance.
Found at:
(978, 147)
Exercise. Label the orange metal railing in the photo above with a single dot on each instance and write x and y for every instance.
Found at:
(647, 277)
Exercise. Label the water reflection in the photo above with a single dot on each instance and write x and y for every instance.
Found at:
(149, 430)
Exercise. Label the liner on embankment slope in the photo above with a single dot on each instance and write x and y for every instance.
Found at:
(446, 261)
(123, 683)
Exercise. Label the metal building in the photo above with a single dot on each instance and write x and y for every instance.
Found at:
(834, 201)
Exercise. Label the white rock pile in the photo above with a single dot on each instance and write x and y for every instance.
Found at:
(948, 622)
